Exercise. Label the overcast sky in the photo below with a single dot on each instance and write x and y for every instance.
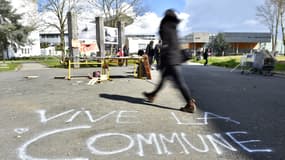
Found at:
(202, 16)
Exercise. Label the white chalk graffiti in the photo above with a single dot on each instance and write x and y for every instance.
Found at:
(152, 139)
(45, 120)
(21, 130)
(128, 117)
(218, 139)
(161, 143)
(94, 150)
(241, 143)
(124, 114)
(206, 118)
(120, 116)
(22, 150)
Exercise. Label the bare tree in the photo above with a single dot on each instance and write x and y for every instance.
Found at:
(282, 18)
(59, 9)
(269, 14)
(30, 14)
(119, 10)
(115, 11)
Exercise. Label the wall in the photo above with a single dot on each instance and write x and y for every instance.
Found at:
(52, 38)
(50, 51)
(136, 44)
(240, 42)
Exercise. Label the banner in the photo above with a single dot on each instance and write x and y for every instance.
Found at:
(88, 48)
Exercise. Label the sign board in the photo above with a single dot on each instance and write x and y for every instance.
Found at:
(75, 43)
(88, 48)
(110, 35)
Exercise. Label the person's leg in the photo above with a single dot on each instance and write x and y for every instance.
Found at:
(182, 86)
(178, 78)
(150, 60)
(150, 96)
(157, 62)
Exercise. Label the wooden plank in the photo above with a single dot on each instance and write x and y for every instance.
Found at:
(146, 66)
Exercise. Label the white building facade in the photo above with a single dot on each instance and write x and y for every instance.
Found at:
(139, 42)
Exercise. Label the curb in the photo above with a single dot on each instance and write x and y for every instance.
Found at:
(279, 74)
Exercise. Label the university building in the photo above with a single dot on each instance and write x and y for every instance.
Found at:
(240, 42)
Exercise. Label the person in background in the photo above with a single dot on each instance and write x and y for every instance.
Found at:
(157, 50)
(198, 55)
(140, 52)
(120, 54)
(205, 56)
(171, 59)
(126, 52)
(150, 52)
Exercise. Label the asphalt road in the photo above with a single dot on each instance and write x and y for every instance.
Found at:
(240, 117)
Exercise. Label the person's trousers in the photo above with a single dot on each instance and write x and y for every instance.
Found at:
(206, 61)
(175, 72)
(150, 60)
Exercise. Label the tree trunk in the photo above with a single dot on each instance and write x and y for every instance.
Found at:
(272, 39)
(282, 29)
(62, 45)
(275, 36)
(283, 34)
(276, 26)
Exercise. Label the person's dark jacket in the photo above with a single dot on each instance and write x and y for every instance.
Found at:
(205, 54)
(149, 50)
(126, 51)
(170, 52)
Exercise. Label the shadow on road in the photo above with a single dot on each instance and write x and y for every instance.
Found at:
(133, 100)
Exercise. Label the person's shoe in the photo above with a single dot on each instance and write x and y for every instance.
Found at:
(149, 96)
(190, 106)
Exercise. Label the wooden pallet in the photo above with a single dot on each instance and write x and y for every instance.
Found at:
(146, 66)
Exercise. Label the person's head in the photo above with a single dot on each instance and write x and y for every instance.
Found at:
(171, 14)
(151, 42)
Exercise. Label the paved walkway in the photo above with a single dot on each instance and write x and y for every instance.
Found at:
(239, 116)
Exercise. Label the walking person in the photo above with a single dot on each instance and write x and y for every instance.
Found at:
(120, 54)
(157, 50)
(171, 60)
(205, 56)
(126, 52)
(150, 53)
